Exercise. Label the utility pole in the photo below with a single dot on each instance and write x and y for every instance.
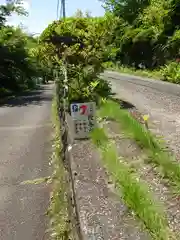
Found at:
(58, 3)
(63, 5)
(61, 9)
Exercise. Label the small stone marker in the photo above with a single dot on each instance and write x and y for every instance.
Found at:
(83, 116)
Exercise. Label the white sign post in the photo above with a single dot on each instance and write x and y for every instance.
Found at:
(83, 116)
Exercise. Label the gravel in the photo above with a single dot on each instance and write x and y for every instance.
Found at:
(102, 212)
(159, 99)
(136, 157)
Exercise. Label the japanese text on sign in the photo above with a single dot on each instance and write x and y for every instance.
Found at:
(83, 115)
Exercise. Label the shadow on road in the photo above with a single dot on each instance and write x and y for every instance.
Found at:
(123, 104)
(36, 97)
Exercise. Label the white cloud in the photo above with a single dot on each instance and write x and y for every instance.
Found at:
(26, 5)
(16, 20)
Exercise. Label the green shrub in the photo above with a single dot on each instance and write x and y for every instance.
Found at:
(109, 64)
(171, 72)
(103, 88)
(96, 88)
(4, 92)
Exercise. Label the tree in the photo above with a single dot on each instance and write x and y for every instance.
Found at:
(10, 7)
(146, 32)
(126, 9)
(78, 14)
(79, 43)
(18, 67)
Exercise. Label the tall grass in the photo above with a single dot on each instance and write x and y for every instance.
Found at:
(134, 192)
(145, 139)
(58, 211)
(155, 74)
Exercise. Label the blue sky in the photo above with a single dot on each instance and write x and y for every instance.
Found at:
(43, 12)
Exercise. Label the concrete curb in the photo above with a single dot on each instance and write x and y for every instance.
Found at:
(67, 140)
(96, 211)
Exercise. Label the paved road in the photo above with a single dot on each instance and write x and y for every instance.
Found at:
(159, 99)
(25, 148)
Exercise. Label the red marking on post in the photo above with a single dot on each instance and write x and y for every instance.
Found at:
(83, 109)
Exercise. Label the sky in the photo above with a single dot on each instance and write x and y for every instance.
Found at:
(43, 12)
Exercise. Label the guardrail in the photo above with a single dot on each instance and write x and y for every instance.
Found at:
(66, 156)
(84, 226)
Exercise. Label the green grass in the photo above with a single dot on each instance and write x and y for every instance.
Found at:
(58, 211)
(142, 73)
(170, 168)
(134, 192)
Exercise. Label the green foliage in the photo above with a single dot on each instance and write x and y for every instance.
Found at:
(128, 9)
(79, 44)
(146, 32)
(145, 139)
(156, 74)
(18, 67)
(173, 44)
(58, 210)
(11, 6)
(134, 192)
(171, 72)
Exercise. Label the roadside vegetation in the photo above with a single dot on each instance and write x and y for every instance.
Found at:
(133, 191)
(155, 148)
(84, 45)
(132, 33)
(137, 191)
(19, 66)
(146, 38)
(58, 210)
(155, 74)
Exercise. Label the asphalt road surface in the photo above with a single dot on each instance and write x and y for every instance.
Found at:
(161, 100)
(25, 148)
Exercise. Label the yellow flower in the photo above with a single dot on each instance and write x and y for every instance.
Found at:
(104, 100)
(146, 117)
